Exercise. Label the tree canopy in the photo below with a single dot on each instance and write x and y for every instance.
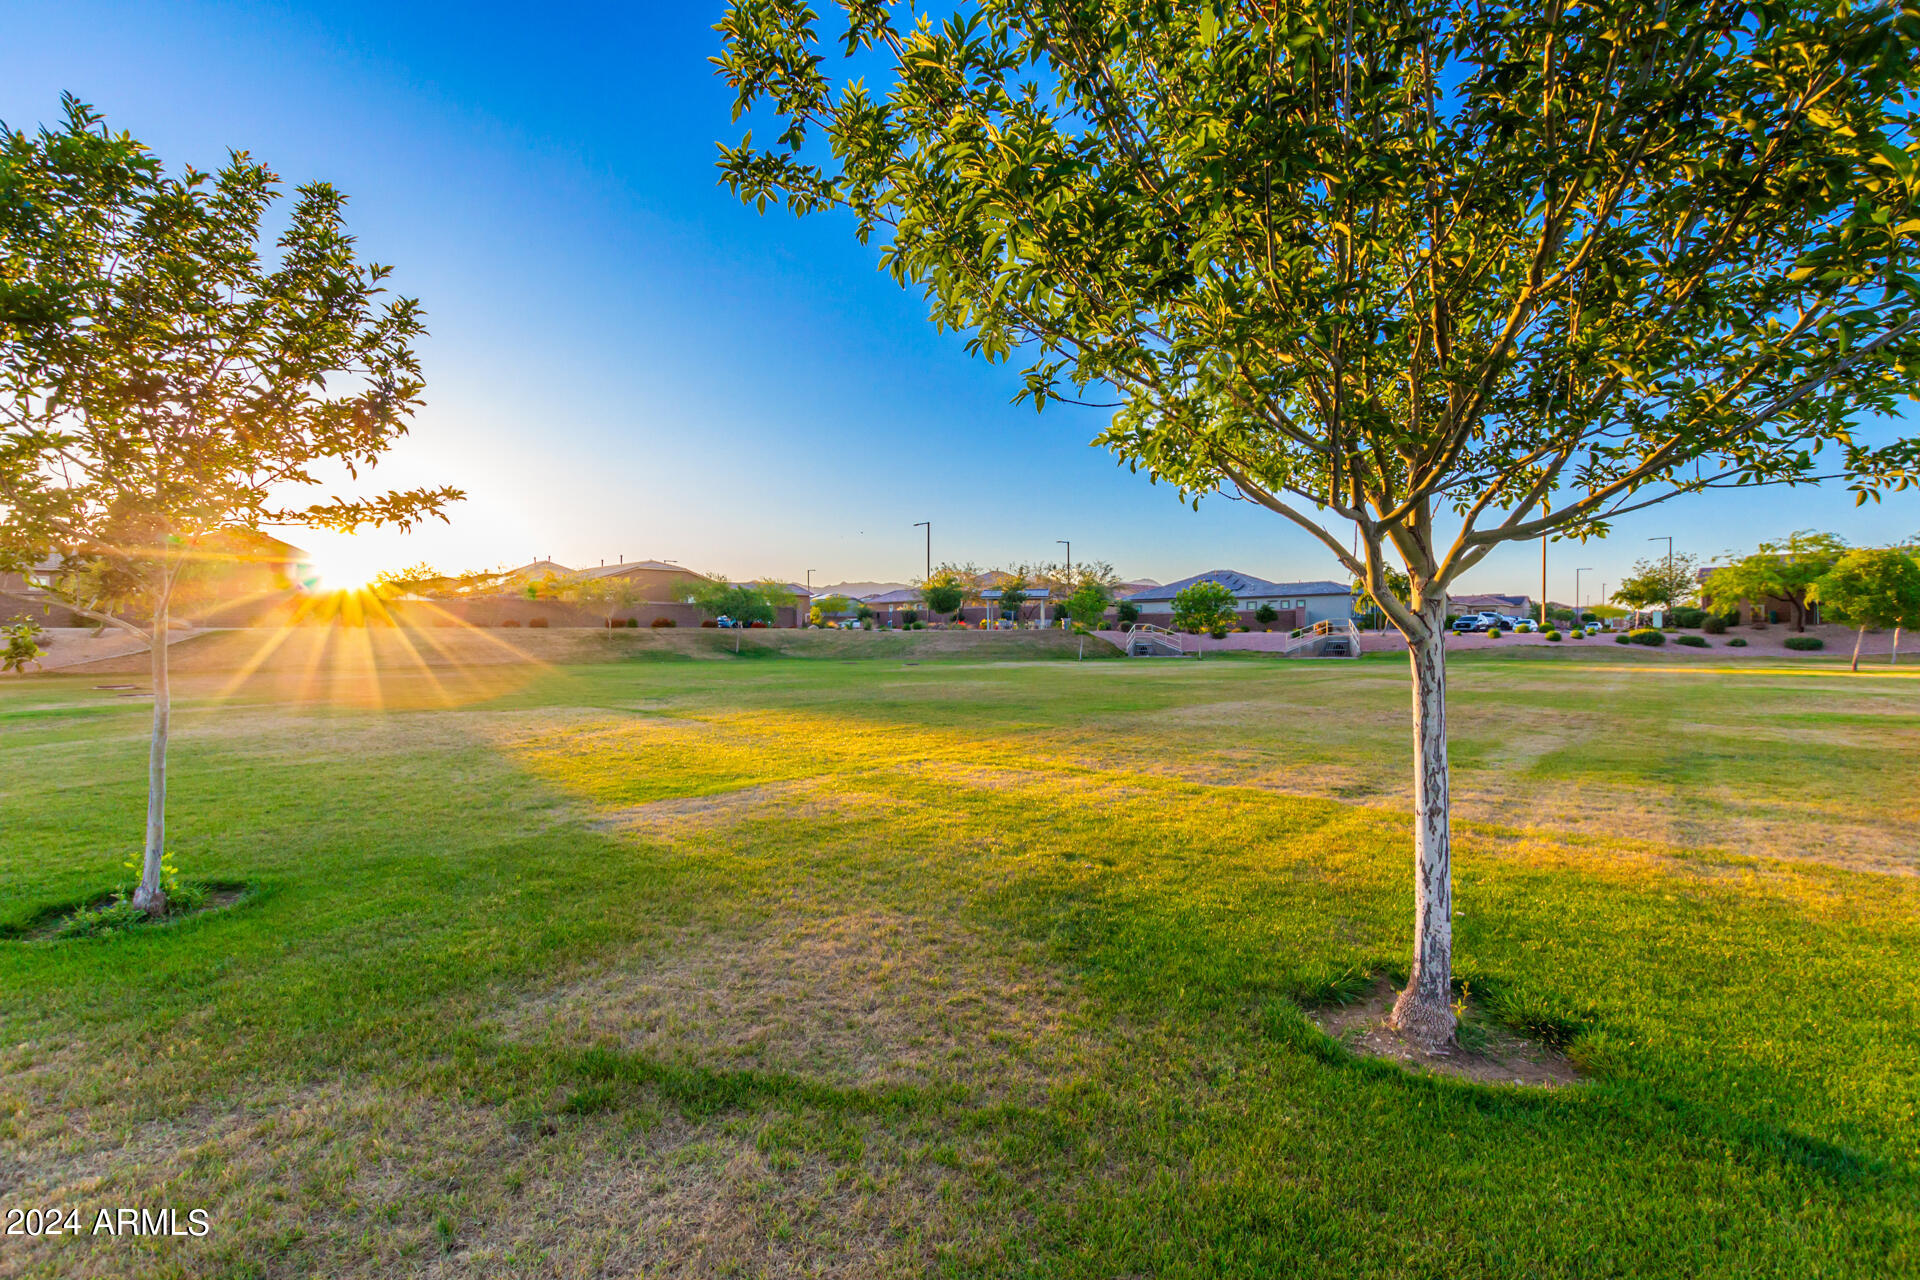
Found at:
(1662, 580)
(1876, 587)
(1785, 570)
(1204, 606)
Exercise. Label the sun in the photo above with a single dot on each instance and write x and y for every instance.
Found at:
(345, 568)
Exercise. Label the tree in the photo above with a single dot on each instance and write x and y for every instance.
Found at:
(1660, 581)
(1872, 588)
(1786, 570)
(608, 596)
(23, 646)
(948, 588)
(1126, 613)
(1435, 276)
(742, 602)
(164, 379)
(1397, 585)
(1087, 606)
(1013, 592)
(1204, 606)
(826, 606)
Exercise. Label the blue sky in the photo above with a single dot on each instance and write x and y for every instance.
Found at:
(626, 361)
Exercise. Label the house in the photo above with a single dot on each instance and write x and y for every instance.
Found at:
(1510, 606)
(1772, 609)
(1299, 604)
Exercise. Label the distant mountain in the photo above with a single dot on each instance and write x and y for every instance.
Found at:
(859, 589)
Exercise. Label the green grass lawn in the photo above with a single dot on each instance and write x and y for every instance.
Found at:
(795, 967)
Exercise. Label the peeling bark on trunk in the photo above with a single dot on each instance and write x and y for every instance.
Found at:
(150, 896)
(1424, 1011)
(1859, 637)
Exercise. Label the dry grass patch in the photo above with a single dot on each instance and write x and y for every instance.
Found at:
(863, 998)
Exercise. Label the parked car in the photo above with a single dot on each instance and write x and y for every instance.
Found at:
(1479, 622)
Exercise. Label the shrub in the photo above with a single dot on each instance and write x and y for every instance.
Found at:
(1737, 642)
(1218, 633)
(510, 622)
(633, 622)
(1715, 624)
(1805, 642)
(1493, 633)
(1555, 635)
(1687, 616)
(1692, 642)
(1646, 635)
(1126, 611)
(663, 622)
(1621, 638)
(537, 622)
(1523, 629)
(1266, 615)
(710, 622)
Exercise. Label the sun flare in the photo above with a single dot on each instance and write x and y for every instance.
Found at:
(341, 569)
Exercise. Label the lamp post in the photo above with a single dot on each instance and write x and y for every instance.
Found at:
(928, 526)
(1577, 610)
(1669, 542)
(1068, 581)
(809, 613)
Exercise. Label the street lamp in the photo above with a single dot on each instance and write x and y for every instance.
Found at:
(1066, 581)
(928, 526)
(1577, 610)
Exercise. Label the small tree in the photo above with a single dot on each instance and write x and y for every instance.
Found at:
(741, 602)
(23, 646)
(825, 607)
(1660, 581)
(161, 381)
(607, 596)
(1784, 570)
(948, 588)
(1204, 606)
(1437, 276)
(1872, 588)
(1013, 592)
(1126, 613)
(1087, 606)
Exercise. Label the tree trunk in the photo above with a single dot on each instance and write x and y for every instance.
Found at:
(1893, 654)
(1424, 1011)
(150, 896)
(1858, 637)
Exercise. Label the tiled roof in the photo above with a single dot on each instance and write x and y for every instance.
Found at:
(1243, 584)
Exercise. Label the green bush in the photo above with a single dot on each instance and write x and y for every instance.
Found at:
(1523, 629)
(1554, 635)
(1621, 638)
(1715, 624)
(1805, 642)
(1737, 643)
(1126, 611)
(1493, 633)
(1692, 642)
(1646, 635)
(1687, 616)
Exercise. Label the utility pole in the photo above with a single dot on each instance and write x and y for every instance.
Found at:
(808, 615)
(1543, 582)
(1577, 610)
(928, 525)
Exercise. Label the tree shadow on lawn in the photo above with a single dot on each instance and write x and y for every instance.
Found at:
(1173, 932)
